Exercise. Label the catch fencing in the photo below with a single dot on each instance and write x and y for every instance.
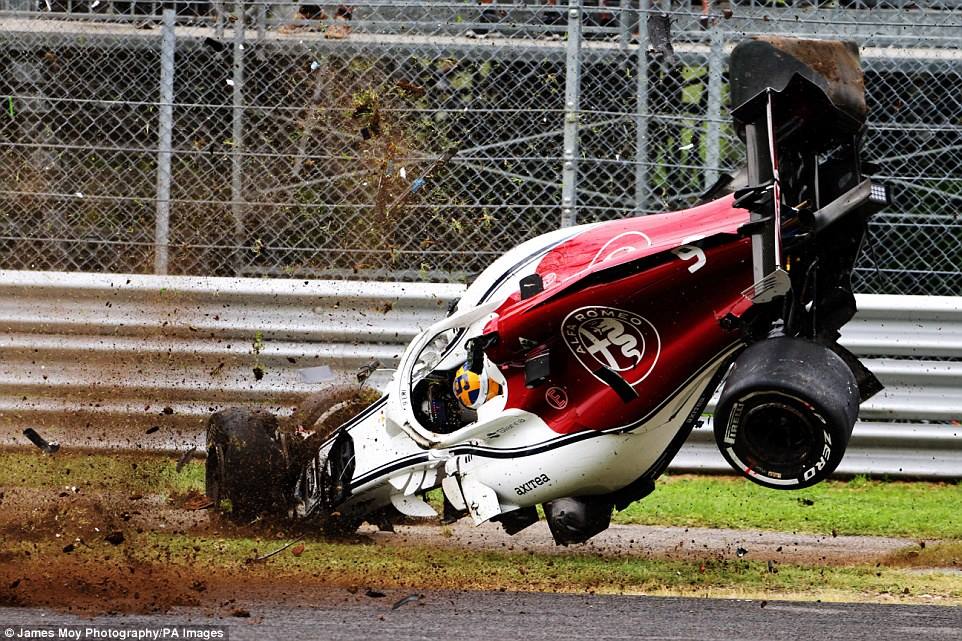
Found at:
(99, 361)
(418, 139)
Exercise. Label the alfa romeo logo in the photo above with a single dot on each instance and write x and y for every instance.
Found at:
(614, 338)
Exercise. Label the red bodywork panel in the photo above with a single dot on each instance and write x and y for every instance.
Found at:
(641, 297)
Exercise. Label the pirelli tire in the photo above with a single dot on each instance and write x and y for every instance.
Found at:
(246, 465)
(316, 419)
(315, 468)
(786, 413)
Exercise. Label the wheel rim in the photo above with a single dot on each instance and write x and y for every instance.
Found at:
(781, 436)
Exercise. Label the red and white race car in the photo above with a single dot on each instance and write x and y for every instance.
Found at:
(575, 366)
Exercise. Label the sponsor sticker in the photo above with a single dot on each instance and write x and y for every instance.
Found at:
(733, 423)
(617, 339)
(527, 486)
(556, 397)
(504, 428)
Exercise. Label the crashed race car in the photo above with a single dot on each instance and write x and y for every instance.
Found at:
(575, 366)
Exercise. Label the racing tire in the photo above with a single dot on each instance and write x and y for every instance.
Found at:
(318, 416)
(313, 423)
(246, 465)
(330, 407)
(786, 413)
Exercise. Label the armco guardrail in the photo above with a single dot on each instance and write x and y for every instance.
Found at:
(96, 360)
(99, 359)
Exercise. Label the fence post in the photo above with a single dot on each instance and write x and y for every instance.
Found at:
(237, 135)
(624, 23)
(641, 113)
(715, 69)
(218, 18)
(165, 131)
(261, 21)
(569, 172)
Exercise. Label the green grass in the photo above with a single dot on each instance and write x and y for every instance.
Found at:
(341, 563)
(187, 559)
(859, 506)
(920, 510)
(128, 473)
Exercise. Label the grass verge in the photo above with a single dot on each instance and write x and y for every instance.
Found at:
(163, 566)
(856, 507)
(119, 472)
(350, 565)
(192, 560)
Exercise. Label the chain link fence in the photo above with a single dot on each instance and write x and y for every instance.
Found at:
(419, 139)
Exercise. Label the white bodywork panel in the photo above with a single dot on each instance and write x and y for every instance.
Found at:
(507, 459)
(512, 459)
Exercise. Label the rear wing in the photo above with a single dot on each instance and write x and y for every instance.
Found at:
(800, 107)
(817, 87)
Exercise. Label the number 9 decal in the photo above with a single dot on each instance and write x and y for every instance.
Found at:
(689, 252)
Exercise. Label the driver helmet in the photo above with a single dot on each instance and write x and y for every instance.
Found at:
(472, 390)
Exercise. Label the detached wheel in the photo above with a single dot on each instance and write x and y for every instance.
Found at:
(310, 474)
(326, 410)
(786, 413)
(246, 465)
(319, 415)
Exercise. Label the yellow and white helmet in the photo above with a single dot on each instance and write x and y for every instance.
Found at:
(472, 390)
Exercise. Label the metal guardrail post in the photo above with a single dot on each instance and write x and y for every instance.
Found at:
(569, 173)
(165, 131)
(716, 67)
(641, 113)
(237, 135)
